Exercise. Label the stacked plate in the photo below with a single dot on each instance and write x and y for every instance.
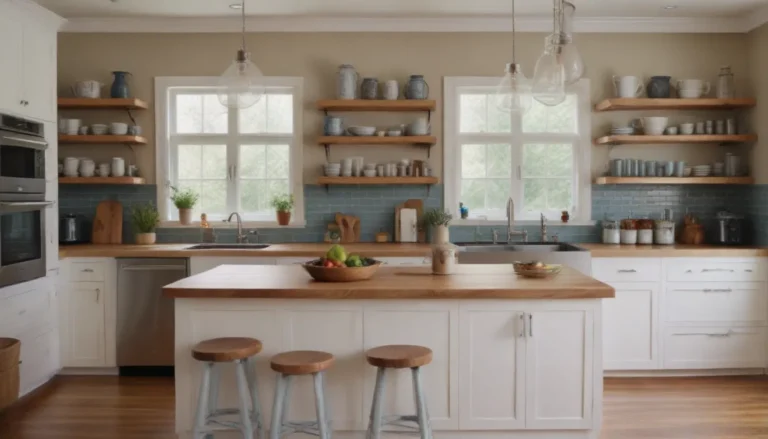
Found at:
(702, 171)
(622, 131)
(718, 169)
(332, 169)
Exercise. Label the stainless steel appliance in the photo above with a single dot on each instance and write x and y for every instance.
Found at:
(730, 228)
(71, 229)
(144, 315)
(22, 237)
(22, 156)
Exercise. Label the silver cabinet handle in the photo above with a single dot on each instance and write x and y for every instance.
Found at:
(727, 334)
(86, 270)
(632, 270)
(98, 294)
(530, 325)
(723, 290)
(716, 270)
(748, 270)
(522, 325)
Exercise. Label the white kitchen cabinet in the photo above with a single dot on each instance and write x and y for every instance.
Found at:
(11, 75)
(83, 325)
(720, 302)
(199, 264)
(492, 368)
(39, 64)
(714, 347)
(631, 327)
(559, 369)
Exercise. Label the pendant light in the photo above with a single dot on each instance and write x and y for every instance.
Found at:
(569, 54)
(239, 83)
(513, 94)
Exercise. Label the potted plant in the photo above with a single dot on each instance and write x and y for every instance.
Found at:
(184, 200)
(144, 219)
(438, 220)
(283, 205)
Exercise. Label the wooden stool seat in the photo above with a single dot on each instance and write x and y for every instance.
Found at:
(226, 349)
(301, 362)
(399, 356)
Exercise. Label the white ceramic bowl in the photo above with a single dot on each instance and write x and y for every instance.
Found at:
(691, 93)
(361, 131)
(99, 129)
(369, 166)
(654, 126)
(686, 129)
(118, 129)
(395, 133)
(369, 172)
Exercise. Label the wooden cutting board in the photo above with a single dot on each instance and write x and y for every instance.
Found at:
(349, 226)
(410, 204)
(108, 223)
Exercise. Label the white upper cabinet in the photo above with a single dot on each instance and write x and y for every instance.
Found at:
(10, 52)
(39, 64)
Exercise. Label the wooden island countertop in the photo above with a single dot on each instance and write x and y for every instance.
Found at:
(469, 282)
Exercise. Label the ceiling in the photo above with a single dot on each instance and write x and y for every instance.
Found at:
(390, 8)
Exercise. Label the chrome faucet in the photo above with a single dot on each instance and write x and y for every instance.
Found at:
(241, 237)
(544, 237)
(511, 223)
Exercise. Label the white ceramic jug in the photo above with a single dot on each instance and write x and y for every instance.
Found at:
(87, 89)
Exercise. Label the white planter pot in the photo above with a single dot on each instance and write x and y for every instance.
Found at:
(146, 238)
(185, 217)
(440, 235)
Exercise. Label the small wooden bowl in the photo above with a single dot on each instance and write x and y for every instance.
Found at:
(538, 273)
(341, 274)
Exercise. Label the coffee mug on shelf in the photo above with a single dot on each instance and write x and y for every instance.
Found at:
(628, 86)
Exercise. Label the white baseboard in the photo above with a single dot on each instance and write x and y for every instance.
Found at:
(106, 371)
(681, 373)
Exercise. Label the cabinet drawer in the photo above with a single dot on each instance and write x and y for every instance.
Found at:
(705, 270)
(713, 348)
(86, 271)
(626, 269)
(28, 307)
(716, 302)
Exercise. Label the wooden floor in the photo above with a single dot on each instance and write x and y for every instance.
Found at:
(143, 408)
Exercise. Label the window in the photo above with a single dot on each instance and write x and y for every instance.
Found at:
(237, 160)
(541, 159)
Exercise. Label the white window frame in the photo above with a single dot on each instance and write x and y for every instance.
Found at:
(582, 215)
(163, 151)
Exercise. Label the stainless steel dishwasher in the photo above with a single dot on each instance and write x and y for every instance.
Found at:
(144, 315)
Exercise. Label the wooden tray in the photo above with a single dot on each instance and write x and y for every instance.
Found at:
(341, 274)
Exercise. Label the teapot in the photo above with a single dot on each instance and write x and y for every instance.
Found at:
(87, 89)
(420, 127)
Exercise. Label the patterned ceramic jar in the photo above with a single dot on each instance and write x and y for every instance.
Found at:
(416, 88)
(346, 82)
(370, 88)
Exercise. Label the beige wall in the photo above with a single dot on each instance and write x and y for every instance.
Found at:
(316, 56)
(758, 44)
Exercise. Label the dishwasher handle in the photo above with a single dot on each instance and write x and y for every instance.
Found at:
(153, 268)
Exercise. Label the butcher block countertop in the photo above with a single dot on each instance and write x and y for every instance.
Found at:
(469, 282)
(671, 251)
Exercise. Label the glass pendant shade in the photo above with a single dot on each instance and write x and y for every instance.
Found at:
(513, 94)
(567, 50)
(238, 83)
(549, 77)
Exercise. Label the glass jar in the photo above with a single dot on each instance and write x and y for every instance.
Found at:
(611, 233)
(664, 232)
(725, 86)
(346, 82)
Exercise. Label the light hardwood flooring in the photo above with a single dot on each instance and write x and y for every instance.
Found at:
(635, 408)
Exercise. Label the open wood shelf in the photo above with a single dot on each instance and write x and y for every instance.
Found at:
(102, 140)
(102, 104)
(674, 180)
(377, 180)
(628, 104)
(101, 180)
(376, 105)
(675, 139)
(377, 140)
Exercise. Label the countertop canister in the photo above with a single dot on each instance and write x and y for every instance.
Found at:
(346, 82)
(416, 88)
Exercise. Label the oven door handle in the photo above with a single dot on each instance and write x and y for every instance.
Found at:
(23, 141)
(24, 205)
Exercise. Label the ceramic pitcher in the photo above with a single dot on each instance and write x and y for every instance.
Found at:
(346, 82)
(416, 88)
(119, 88)
(659, 87)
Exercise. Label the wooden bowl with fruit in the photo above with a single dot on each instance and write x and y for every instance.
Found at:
(536, 269)
(338, 266)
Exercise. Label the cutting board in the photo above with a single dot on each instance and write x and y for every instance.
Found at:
(409, 231)
(349, 226)
(410, 204)
(108, 223)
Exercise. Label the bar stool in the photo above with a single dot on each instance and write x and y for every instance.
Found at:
(399, 357)
(238, 350)
(288, 365)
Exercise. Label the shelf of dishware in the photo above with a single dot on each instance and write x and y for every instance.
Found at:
(675, 139)
(101, 180)
(376, 180)
(102, 104)
(629, 104)
(377, 140)
(674, 180)
(101, 140)
(376, 105)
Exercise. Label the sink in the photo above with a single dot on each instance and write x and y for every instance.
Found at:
(214, 246)
(545, 247)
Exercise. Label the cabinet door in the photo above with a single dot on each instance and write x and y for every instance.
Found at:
(200, 264)
(39, 72)
(559, 369)
(83, 329)
(10, 54)
(631, 327)
(491, 368)
(430, 324)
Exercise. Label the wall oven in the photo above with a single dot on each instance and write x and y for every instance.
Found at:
(22, 200)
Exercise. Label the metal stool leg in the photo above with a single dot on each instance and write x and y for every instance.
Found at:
(244, 394)
(213, 396)
(257, 416)
(202, 401)
(322, 418)
(286, 398)
(276, 426)
(425, 430)
(374, 425)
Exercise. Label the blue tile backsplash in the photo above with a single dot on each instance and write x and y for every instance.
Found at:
(375, 207)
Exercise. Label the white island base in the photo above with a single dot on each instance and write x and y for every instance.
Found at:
(502, 368)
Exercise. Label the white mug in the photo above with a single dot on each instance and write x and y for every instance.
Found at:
(103, 170)
(654, 126)
(73, 125)
(71, 165)
(87, 167)
(391, 90)
(118, 167)
(628, 86)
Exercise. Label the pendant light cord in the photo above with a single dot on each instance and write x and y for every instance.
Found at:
(514, 39)
(243, 15)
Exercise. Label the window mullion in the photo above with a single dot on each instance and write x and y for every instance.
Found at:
(516, 185)
(233, 160)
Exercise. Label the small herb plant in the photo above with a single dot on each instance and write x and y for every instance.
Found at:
(184, 198)
(144, 218)
(436, 217)
(282, 202)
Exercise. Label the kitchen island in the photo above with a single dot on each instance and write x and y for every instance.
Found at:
(513, 358)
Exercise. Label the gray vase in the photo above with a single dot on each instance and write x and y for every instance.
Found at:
(659, 87)
(370, 88)
(346, 82)
(416, 88)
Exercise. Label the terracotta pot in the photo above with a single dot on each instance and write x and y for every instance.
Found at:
(283, 218)
(185, 217)
(440, 235)
(146, 238)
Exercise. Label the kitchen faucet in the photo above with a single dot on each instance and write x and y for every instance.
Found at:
(241, 237)
(511, 223)
(544, 229)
